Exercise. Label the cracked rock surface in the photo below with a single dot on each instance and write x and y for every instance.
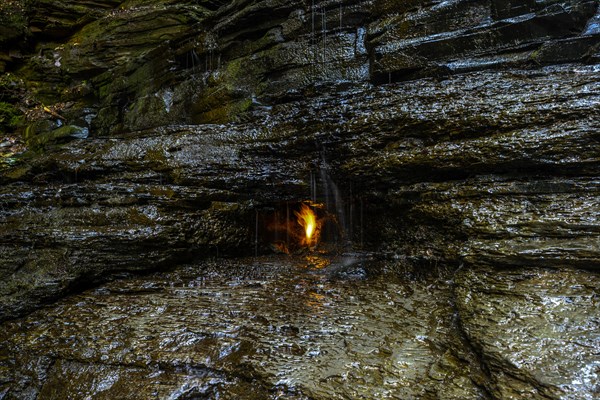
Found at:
(538, 330)
(298, 328)
(313, 327)
(442, 136)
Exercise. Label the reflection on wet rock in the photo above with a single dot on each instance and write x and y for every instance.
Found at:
(260, 328)
(538, 330)
(427, 137)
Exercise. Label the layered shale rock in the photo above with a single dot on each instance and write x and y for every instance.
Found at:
(460, 133)
(459, 36)
(215, 330)
(536, 328)
(502, 187)
(114, 67)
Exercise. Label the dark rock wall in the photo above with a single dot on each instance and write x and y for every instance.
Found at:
(457, 132)
(113, 66)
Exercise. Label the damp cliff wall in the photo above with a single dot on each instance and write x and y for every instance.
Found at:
(467, 131)
(136, 135)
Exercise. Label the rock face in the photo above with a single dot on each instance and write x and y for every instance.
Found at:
(524, 322)
(113, 66)
(223, 335)
(445, 133)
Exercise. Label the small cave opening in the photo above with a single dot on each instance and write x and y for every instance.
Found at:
(300, 226)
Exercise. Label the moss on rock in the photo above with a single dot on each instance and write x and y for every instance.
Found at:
(11, 117)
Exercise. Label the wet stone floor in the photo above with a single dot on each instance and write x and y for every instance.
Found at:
(261, 328)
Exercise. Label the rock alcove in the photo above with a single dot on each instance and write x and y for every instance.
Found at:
(146, 147)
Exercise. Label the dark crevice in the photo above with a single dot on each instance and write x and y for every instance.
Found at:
(476, 357)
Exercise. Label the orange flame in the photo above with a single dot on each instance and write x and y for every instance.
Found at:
(308, 220)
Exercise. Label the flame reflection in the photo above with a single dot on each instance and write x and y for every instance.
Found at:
(317, 262)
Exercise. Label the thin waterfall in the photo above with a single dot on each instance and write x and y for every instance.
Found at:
(324, 30)
(256, 234)
(333, 197)
(362, 224)
(324, 181)
(287, 225)
(276, 231)
(313, 41)
(350, 226)
(313, 186)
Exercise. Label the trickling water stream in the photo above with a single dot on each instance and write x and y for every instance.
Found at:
(299, 328)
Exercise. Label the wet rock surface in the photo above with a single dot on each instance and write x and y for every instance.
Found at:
(473, 169)
(452, 135)
(256, 329)
(537, 330)
(120, 66)
(311, 327)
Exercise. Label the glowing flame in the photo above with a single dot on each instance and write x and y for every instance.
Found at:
(308, 220)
